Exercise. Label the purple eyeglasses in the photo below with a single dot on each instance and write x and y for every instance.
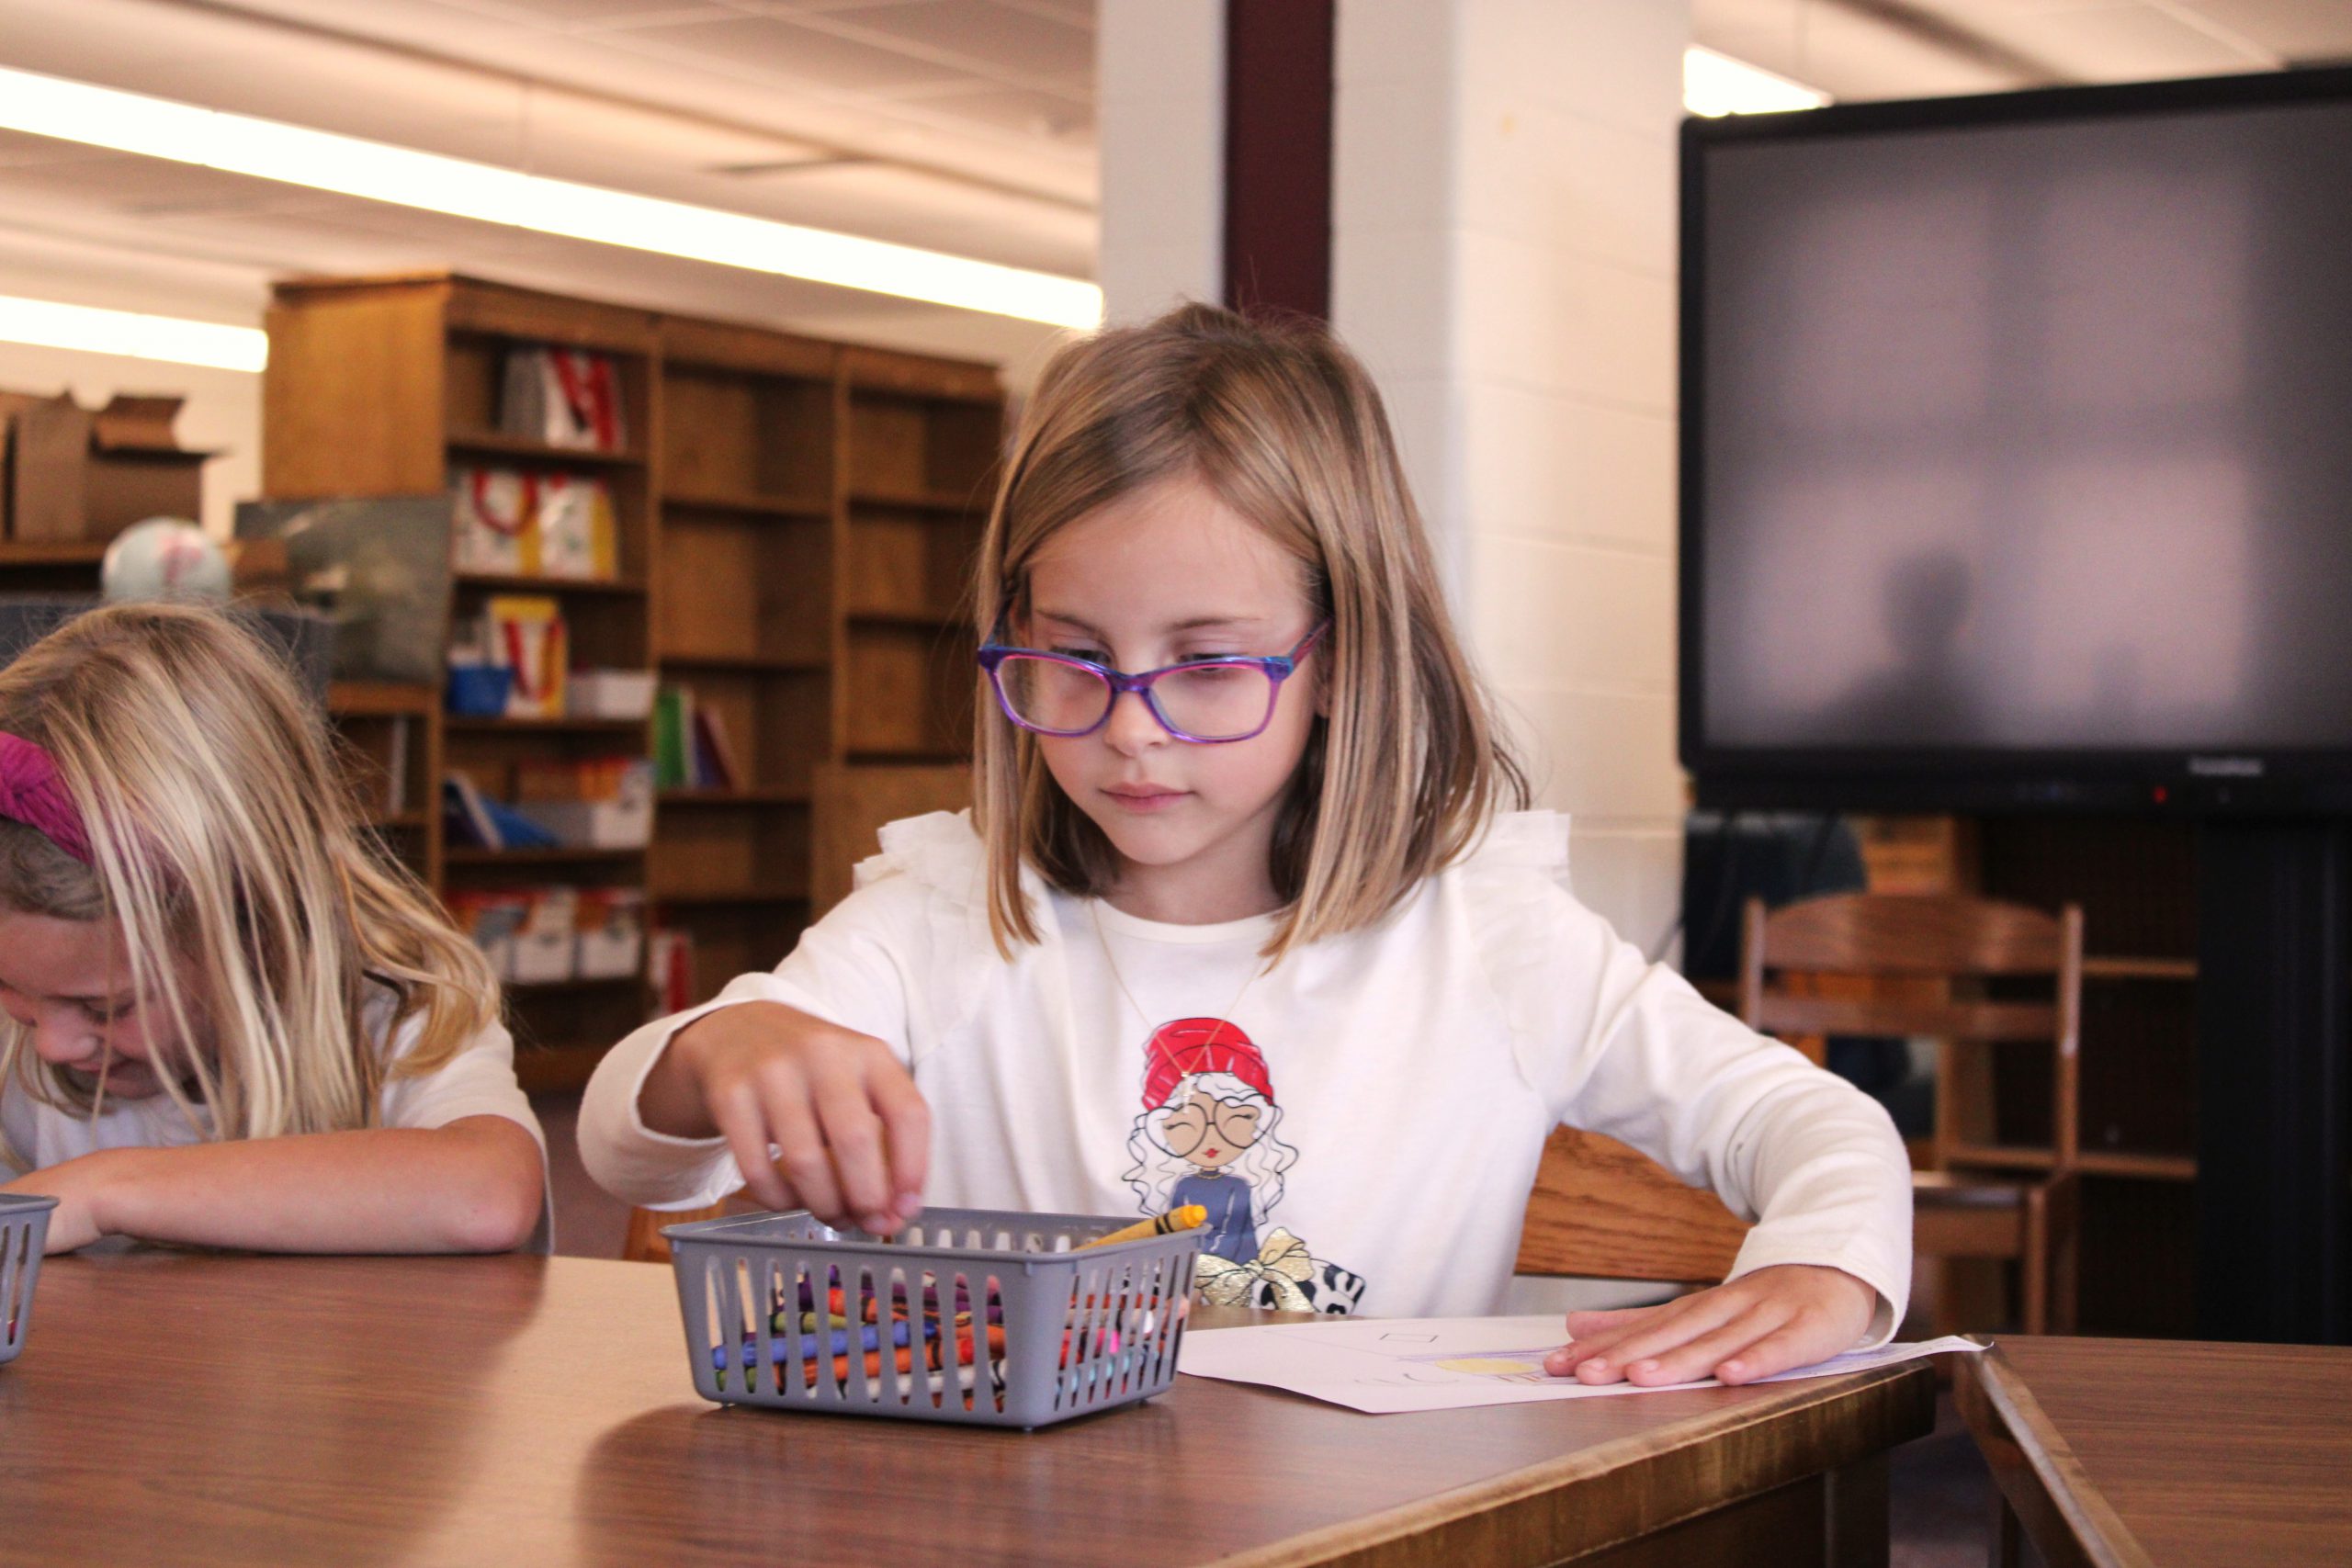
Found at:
(1210, 701)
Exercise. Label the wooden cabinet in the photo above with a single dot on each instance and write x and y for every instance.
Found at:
(796, 522)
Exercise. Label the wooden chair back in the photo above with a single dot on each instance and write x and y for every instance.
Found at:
(1602, 1210)
(1920, 955)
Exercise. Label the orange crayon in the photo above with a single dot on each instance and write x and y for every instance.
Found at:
(1192, 1216)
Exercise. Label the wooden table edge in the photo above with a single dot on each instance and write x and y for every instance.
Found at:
(1687, 1484)
(2070, 1520)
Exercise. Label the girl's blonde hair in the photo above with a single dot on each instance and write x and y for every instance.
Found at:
(257, 914)
(1286, 429)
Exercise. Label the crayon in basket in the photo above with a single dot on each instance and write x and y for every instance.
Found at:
(1190, 1216)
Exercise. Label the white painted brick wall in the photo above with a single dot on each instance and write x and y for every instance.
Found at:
(1159, 70)
(1504, 259)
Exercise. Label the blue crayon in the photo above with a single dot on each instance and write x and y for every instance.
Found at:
(837, 1343)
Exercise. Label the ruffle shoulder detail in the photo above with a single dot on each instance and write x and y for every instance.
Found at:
(939, 849)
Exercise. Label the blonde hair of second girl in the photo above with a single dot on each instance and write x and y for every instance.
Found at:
(254, 911)
(1287, 429)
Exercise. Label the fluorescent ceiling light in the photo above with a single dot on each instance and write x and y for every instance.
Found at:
(47, 324)
(1717, 84)
(376, 170)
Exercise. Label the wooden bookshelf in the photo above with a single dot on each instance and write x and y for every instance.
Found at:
(38, 566)
(796, 521)
(391, 386)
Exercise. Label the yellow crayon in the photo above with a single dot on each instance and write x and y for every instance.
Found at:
(1192, 1216)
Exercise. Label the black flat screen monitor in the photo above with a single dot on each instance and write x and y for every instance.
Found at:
(2016, 450)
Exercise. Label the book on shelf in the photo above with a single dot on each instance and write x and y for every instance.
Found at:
(672, 732)
(713, 753)
(467, 810)
(477, 821)
(673, 969)
(516, 522)
(692, 747)
(396, 750)
(565, 397)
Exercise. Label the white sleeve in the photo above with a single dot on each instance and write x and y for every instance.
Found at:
(478, 1082)
(851, 968)
(1635, 1052)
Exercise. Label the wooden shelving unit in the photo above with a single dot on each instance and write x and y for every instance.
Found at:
(388, 386)
(36, 566)
(796, 518)
(390, 730)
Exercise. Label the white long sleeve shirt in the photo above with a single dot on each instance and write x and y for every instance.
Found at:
(1363, 1122)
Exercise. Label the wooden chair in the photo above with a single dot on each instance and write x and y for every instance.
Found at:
(1602, 1210)
(644, 1243)
(1911, 965)
(848, 805)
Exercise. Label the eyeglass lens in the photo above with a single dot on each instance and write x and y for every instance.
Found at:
(1214, 702)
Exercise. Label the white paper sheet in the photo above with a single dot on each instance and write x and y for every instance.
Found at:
(1383, 1366)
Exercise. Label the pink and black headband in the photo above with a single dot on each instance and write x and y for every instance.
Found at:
(32, 793)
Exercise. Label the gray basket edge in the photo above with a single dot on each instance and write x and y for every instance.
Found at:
(722, 1229)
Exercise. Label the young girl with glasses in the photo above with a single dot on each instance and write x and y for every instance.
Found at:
(1249, 915)
(230, 1020)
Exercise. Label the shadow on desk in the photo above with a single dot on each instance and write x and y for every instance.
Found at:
(752, 1500)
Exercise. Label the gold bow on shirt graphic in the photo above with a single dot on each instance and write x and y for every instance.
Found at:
(1281, 1266)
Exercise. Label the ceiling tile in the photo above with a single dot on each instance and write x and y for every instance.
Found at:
(1051, 116)
(1013, 45)
(598, 13)
(780, 50)
(2121, 44)
(18, 149)
(2309, 32)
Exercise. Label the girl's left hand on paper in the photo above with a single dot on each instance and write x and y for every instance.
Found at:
(78, 1185)
(1771, 1321)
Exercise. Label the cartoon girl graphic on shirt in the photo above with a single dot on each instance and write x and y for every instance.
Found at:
(1207, 1135)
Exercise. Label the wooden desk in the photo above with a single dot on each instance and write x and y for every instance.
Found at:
(209, 1410)
(2124, 1452)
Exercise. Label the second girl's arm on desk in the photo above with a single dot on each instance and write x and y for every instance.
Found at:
(474, 1185)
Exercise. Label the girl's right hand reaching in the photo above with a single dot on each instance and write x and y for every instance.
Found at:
(849, 1132)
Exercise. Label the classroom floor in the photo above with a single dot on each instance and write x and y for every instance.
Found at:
(1942, 1494)
(1941, 1499)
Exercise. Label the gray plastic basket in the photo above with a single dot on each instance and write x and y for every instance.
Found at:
(23, 1231)
(1082, 1331)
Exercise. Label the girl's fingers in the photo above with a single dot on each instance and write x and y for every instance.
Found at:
(800, 1149)
(1698, 1357)
(1585, 1325)
(1596, 1334)
(853, 1135)
(1799, 1343)
(1678, 1323)
(741, 1122)
(907, 1121)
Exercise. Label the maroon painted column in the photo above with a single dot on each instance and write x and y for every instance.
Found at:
(1278, 154)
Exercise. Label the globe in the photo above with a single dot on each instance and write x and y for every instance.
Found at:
(163, 557)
